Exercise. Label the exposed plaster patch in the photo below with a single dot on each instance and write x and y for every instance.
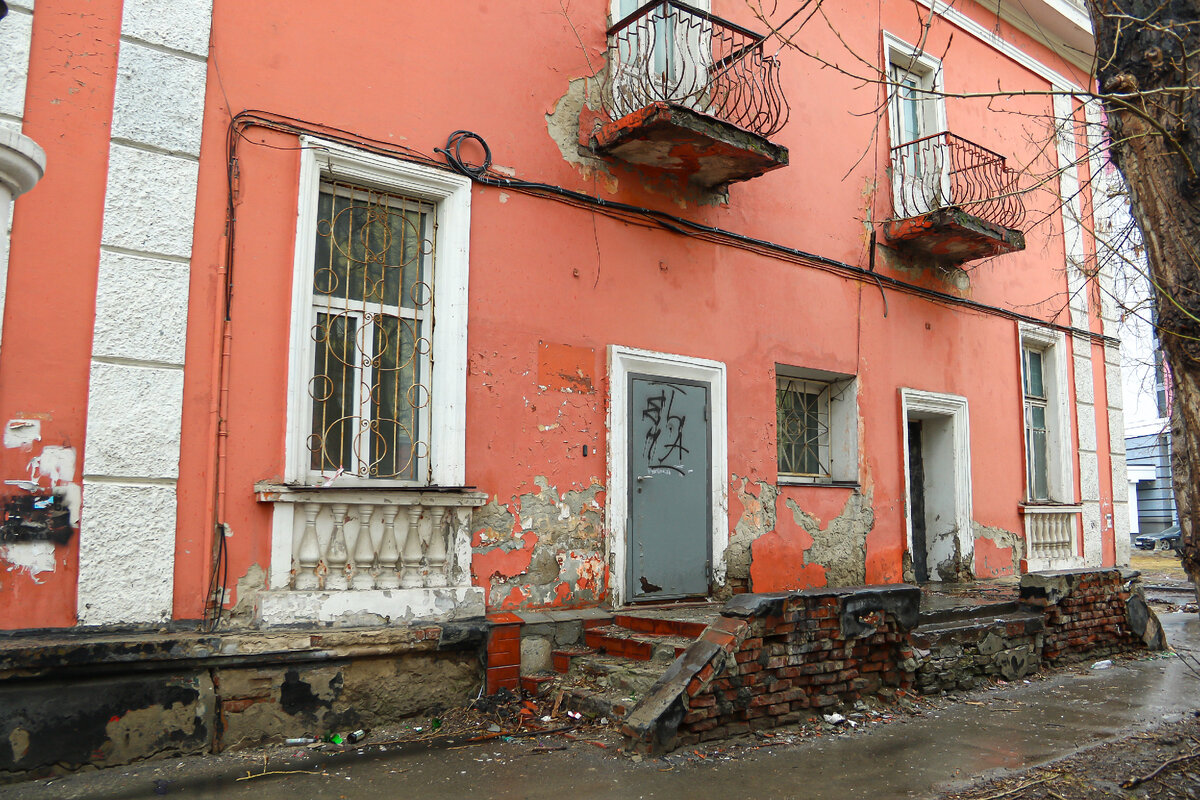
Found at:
(35, 557)
(22, 433)
(955, 567)
(841, 546)
(18, 741)
(542, 549)
(997, 551)
(563, 122)
(758, 518)
(145, 732)
(249, 586)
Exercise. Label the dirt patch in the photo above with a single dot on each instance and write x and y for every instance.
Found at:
(1162, 762)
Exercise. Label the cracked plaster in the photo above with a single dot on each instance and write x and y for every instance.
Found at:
(542, 549)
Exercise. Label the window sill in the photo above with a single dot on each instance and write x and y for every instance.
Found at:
(268, 492)
(1049, 507)
(796, 480)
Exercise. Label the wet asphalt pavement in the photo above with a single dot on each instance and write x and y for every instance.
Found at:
(986, 732)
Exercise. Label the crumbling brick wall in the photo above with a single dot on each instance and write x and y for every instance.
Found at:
(962, 654)
(1090, 613)
(774, 659)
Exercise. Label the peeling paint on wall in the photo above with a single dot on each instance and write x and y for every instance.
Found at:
(22, 433)
(758, 518)
(997, 551)
(245, 602)
(34, 557)
(840, 547)
(581, 102)
(769, 552)
(44, 511)
(542, 549)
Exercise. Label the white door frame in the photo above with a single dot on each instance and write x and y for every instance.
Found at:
(955, 407)
(621, 362)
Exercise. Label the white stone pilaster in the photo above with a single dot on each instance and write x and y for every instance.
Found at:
(135, 398)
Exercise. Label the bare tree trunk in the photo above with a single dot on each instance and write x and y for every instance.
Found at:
(1148, 54)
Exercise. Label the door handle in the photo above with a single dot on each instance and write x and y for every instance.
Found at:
(644, 477)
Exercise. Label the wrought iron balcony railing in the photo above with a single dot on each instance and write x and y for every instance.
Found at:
(670, 52)
(947, 171)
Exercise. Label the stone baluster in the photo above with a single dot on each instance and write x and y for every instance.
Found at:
(364, 550)
(436, 554)
(460, 575)
(308, 555)
(410, 557)
(389, 553)
(336, 555)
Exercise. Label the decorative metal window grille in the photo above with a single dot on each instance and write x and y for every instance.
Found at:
(1037, 467)
(373, 281)
(802, 424)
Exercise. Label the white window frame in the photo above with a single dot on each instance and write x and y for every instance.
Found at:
(841, 396)
(321, 159)
(1059, 473)
(899, 54)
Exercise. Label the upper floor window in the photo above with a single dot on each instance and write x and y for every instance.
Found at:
(1036, 432)
(378, 388)
(916, 115)
(1048, 469)
(664, 55)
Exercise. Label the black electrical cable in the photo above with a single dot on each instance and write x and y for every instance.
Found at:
(674, 223)
(481, 174)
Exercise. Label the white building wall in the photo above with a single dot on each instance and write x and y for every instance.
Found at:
(135, 399)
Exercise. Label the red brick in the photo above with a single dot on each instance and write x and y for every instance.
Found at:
(502, 678)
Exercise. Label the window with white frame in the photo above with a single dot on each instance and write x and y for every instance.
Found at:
(815, 417)
(1048, 475)
(1037, 464)
(668, 47)
(917, 117)
(377, 387)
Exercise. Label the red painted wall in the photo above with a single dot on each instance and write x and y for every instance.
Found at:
(53, 265)
(552, 286)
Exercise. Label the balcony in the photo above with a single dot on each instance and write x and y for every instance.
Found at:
(690, 94)
(954, 201)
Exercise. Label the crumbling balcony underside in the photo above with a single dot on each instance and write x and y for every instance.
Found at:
(954, 201)
(951, 235)
(699, 149)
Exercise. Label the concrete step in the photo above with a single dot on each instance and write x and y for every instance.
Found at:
(980, 610)
(620, 674)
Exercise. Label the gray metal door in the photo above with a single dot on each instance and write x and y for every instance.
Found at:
(670, 488)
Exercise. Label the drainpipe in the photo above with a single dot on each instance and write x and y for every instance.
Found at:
(22, 164)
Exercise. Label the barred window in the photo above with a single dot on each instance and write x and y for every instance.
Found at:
(802, 419)
(373, 278)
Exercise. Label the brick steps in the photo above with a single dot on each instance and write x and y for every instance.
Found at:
(622, 659)
(660, 626)
(621, 641)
